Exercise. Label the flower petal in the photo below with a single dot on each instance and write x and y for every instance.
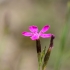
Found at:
(45, 28)
(34, 37)
(33, 28)
(27, 33)
(45, 35)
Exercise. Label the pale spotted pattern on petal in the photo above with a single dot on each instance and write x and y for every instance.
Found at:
(45, 28)
(27, 33)
(33, 28)
(45, 35)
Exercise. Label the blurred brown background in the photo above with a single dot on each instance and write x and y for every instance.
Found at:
(18, 52)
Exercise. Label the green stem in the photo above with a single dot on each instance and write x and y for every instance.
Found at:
(39, 61)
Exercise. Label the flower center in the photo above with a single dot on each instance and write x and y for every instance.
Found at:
(36, 34)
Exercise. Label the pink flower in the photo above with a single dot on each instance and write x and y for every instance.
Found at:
(34, 34)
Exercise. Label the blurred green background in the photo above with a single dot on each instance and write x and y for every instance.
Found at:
(18, 52)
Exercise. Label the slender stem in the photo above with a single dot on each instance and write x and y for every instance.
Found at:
(38, 47)
(39, 61)
(47, 55)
